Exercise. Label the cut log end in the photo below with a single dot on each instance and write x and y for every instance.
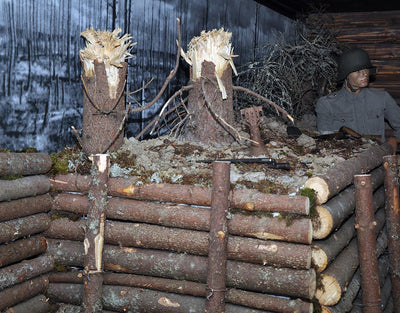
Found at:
(321, 188)
(319, 259)
(322, 223)
(329, 292)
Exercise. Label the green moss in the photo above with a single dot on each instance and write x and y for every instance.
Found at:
(10, 177)
(310, 193)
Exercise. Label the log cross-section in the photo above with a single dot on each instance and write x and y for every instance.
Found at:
(94, 238)
(218, 246)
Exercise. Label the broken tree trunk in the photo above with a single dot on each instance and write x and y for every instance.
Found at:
(24, 163)
(366, 236)
(299, 230)
(393, 224)
(341, 175)
(23, 187)
(104, 80)
(246, 199)
(22, 292)
(332, 213)
(234, 296)
(266, 252)
(23, 226)
(247, 276)
(24, 207)
(22, 249)
(218, 238)
(94, 233)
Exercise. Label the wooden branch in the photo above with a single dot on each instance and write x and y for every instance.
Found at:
(24, 207)
(234, 296)
(266, 252)
(182, 216)
(24, 163)
(247, 276)
(23, 187)
(341, 175)
(24, 291)
(23, 226)
(22, 249)
(38, 304)
(246, 199)
(19, 272)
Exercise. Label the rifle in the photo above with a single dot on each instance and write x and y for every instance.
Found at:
(271, 163)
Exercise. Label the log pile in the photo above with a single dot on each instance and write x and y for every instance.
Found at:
(25, 203)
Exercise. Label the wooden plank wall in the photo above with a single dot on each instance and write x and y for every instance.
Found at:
(379, 34)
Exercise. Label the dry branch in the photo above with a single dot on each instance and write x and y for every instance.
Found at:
(23, 187)
(25, 207)
(341, 175)
(187, 217)
(24, 163)
(247, 276)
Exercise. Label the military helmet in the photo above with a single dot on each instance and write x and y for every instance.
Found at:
(354, 60)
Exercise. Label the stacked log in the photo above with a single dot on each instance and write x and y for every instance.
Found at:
(335, 247)
(156, 240)
(25, 203)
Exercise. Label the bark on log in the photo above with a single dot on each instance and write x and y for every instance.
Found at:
(331, 214)
(376, 35)
(25, 207)
(22, 249)
(341, 175)
(247, 199)
(22, 292)
(234, 296)
(38, 304)
(130, 299)
(393, 224)
(23, 226)
(273, 253)
(24, 163)
(247, 276)
(365, 19)
(94, 233)
(17, 273)
(366, 236)
(182, 216)
(23, 187)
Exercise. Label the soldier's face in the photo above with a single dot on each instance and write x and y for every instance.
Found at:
(359, 79)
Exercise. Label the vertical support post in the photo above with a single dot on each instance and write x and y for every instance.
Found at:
(391, 184)
(366, 236)
(217, 251)
(94, 235)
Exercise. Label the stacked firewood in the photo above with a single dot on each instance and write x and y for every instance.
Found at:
(24, 203)
(156, 243)
(335, 247)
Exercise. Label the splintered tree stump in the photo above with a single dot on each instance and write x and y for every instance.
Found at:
(196, 218)
(341, 175)
(24, 163)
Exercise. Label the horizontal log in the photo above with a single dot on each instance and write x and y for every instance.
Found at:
(298, 230)
(22, 292)
(341, 175)
(247, 199)
(38, 304)
(234, 296)
(24, 163)
(23, 226)
(22, 249)
(130, 299)
(274, 253)
(246, 276)
(70, 308)
(23, 187)
(24, 207)
(19, 272)
(365, 19)
(376, 35)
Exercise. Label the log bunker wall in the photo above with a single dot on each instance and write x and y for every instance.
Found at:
(156, 240)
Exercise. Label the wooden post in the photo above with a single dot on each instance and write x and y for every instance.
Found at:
(218, 247)
(393, 224)
(366, 236)
(94, 239)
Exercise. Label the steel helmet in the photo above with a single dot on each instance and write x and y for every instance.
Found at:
(354, 60)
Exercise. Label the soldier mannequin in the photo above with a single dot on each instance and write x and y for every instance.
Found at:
(355, 105)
